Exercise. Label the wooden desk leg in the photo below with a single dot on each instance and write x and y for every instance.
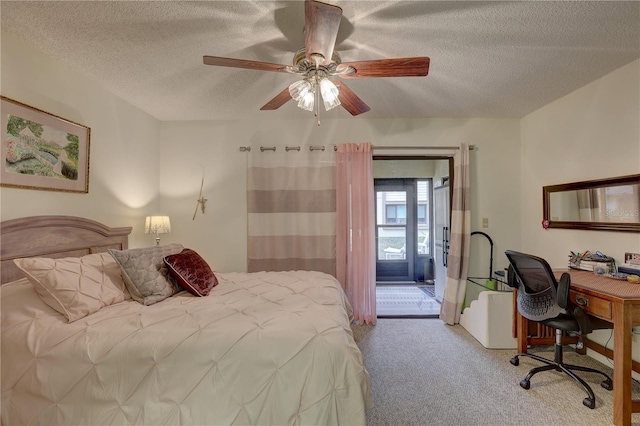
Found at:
(523, 332)
(622, 333)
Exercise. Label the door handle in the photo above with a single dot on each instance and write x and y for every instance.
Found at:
(445, 246)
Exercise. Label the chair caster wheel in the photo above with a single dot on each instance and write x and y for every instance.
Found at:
(525, 384)
(588, 402)
(607, 384)
(515, 361)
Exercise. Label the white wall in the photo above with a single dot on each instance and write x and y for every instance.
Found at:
(591, 133)
(124, 173)
(190, 148)
(404, 168)
(129, 179)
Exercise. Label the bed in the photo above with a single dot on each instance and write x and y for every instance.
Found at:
(261, 348)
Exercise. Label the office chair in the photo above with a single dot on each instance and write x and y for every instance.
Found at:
(544, 300)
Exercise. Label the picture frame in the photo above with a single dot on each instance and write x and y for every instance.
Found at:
(41, 150)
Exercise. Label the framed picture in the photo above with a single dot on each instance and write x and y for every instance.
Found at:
(42, 151)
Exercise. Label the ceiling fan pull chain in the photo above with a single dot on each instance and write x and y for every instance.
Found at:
(317, 97)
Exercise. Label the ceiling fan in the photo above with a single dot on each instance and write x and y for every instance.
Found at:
(319, 66)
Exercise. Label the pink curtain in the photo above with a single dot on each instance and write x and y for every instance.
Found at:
(355, 232)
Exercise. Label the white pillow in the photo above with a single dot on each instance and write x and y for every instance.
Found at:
(76, 286)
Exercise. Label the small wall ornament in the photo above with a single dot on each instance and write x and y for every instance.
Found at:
(201, 201)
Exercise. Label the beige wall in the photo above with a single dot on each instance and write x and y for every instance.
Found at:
(140, 166)
(404, 168)
(591, 133)
(123, 183)
(190, 148)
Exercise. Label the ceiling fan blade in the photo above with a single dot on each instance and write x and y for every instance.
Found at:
(242, 63)
(279, 100)
(321, 24)
(350, 101)
(397, 67)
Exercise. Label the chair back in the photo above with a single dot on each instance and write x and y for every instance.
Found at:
(537, 286)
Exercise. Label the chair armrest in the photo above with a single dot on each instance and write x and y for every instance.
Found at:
(512, 280)
(583, 320)
(565, 303)
(563, 290)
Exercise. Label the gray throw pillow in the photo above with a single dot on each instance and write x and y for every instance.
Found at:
(145, 274)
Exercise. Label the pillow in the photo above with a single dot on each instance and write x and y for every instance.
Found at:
(76, 286)
(191, 272)
(144, 272)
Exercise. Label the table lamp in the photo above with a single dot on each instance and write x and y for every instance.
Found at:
(157, 225)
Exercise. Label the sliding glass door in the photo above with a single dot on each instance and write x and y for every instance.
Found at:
(403, 218)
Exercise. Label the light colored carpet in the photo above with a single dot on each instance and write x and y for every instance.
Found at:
(394, 300)
(424, 372)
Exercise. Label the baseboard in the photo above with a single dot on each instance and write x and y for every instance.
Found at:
(608, 353)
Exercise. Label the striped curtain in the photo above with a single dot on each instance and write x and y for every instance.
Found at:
(291, 203)
(458, 258)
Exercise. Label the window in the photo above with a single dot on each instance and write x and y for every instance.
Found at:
(422, 214)
(396, 213)
(423, 219)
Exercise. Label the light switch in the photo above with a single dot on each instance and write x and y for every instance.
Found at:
(485, 222)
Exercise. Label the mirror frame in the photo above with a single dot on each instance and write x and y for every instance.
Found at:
(589, 184)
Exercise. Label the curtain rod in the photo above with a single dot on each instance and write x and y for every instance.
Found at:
(321, 148)
(471, 147)
(286, 148)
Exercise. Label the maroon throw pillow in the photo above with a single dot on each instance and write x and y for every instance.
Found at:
(191, 272)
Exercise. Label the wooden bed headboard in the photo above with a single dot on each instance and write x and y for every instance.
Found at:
(54, 236)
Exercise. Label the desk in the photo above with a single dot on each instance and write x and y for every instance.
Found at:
(619, 303)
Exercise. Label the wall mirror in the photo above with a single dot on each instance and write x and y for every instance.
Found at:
(611, 204)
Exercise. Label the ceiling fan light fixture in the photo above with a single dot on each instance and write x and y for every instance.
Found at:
(307, 101)
(329, 92)
(299, 89)
(318, 61)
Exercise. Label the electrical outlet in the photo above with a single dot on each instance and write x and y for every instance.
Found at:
(485, 222)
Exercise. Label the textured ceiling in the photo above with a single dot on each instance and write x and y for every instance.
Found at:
(488, 59)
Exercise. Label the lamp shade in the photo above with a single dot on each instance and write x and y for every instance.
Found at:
(305, 92)
(157, 225)
(329, 94)
(306, 102)
(299, 89)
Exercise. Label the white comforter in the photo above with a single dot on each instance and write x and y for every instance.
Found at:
(263, 348)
